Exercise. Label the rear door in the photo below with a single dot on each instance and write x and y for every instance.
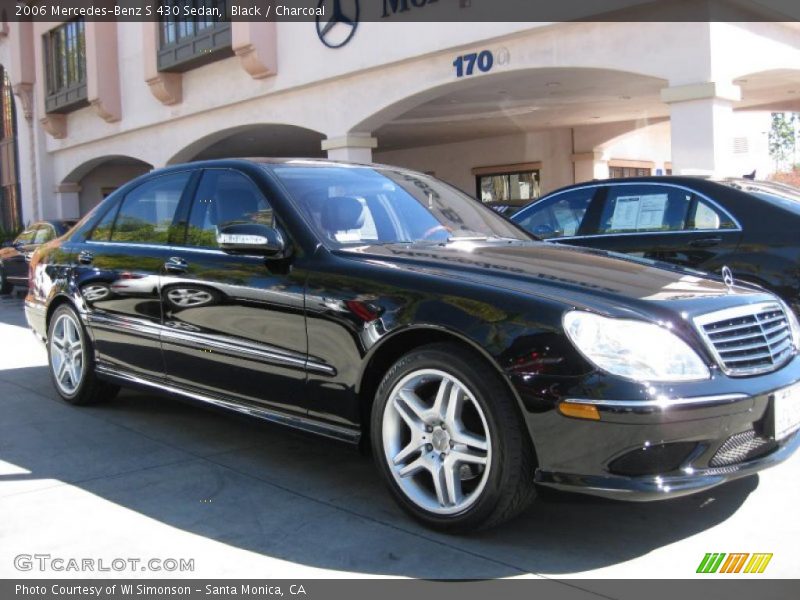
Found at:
(662, 222)
(118, 274)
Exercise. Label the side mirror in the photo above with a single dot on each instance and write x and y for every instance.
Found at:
(252, 238)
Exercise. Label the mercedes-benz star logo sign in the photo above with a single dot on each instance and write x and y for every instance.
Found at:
(727, 277)
(339, 23)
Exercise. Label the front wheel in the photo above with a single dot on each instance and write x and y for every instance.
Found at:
(449, 441)
(71, 360)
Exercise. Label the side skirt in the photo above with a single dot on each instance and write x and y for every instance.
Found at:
(341, 434)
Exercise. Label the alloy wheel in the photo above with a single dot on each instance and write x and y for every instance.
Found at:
(436, 441)
(66, 354)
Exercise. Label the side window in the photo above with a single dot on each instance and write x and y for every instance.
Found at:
(645, 208)
(44, 233)
(225, 197)
(147, 212)
(26, 237)
(559, 216)
(707, 217)
(102, 231)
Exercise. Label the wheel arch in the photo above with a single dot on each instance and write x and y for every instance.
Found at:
(381, 357)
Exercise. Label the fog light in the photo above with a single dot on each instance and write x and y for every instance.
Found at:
(579, 411)
(653, 460)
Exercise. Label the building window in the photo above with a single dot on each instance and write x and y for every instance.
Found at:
(186, 43)
(65, 66)
(10, 214)
(515, 185)
(623, 172)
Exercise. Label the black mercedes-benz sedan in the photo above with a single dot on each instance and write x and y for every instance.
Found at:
(14, 254)
(374, 304)
(749, 226)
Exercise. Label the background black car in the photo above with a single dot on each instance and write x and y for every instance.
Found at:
(14, 255)
(752, 227)
(374, 304)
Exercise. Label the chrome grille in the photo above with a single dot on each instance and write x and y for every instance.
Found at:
(747, 340)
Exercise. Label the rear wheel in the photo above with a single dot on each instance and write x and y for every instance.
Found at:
(71, 360)
(449, 442)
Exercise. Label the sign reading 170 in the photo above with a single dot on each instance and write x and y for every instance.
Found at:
(466, 63)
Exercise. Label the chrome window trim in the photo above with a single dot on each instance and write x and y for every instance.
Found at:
(597, 186)
(735, 312)
(661, 402)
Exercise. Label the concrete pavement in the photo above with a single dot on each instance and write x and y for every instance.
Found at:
(151, 477)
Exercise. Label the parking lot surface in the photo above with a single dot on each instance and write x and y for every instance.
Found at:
(147, 477)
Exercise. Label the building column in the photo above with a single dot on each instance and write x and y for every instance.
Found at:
(68, 204)
(701, 116)
(353, 147)
(589, 166)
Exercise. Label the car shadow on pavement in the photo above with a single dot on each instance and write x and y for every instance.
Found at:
(267, 490)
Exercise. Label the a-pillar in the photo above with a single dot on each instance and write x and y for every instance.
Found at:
(352, 147)
(701, 116)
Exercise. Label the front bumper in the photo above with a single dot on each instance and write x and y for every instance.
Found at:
(661, 487)
(659, 441)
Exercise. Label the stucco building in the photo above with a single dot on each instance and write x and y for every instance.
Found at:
(501, 110)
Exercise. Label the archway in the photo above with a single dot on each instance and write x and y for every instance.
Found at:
(97, 178)
(255, 140)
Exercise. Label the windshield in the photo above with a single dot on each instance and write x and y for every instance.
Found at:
(352, 205)
(779, 194)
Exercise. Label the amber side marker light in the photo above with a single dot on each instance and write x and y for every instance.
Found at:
(579, 411)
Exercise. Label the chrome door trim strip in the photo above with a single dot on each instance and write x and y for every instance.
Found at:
(204, 341)
(663, 403)
(129, 324)
(294, 421)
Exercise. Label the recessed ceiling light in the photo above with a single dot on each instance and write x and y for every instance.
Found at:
(552, 84)
(502, 92)
(595, 117)
(792, 91)
(624, 97)
(453, 101)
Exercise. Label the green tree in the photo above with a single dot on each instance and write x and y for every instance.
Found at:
(782, 140)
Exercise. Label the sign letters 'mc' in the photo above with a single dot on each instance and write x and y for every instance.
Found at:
(391, 7)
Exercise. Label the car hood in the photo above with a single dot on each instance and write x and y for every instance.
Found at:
(607, 282)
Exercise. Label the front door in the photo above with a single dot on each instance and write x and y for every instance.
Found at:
(234, 325)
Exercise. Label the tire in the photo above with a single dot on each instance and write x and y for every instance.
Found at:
(481, 443)
(66, 337)
(6, 287)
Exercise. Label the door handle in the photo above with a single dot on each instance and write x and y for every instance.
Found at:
(176, 265)
(85, 257)
(705, 242)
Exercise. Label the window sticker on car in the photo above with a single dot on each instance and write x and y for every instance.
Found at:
(639, 212)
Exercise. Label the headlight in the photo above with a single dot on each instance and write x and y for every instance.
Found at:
(633, 349)
(794, 325)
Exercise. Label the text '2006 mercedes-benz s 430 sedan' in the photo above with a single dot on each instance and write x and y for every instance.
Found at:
(371, 303)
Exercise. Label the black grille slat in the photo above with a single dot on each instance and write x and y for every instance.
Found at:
(748, 343)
